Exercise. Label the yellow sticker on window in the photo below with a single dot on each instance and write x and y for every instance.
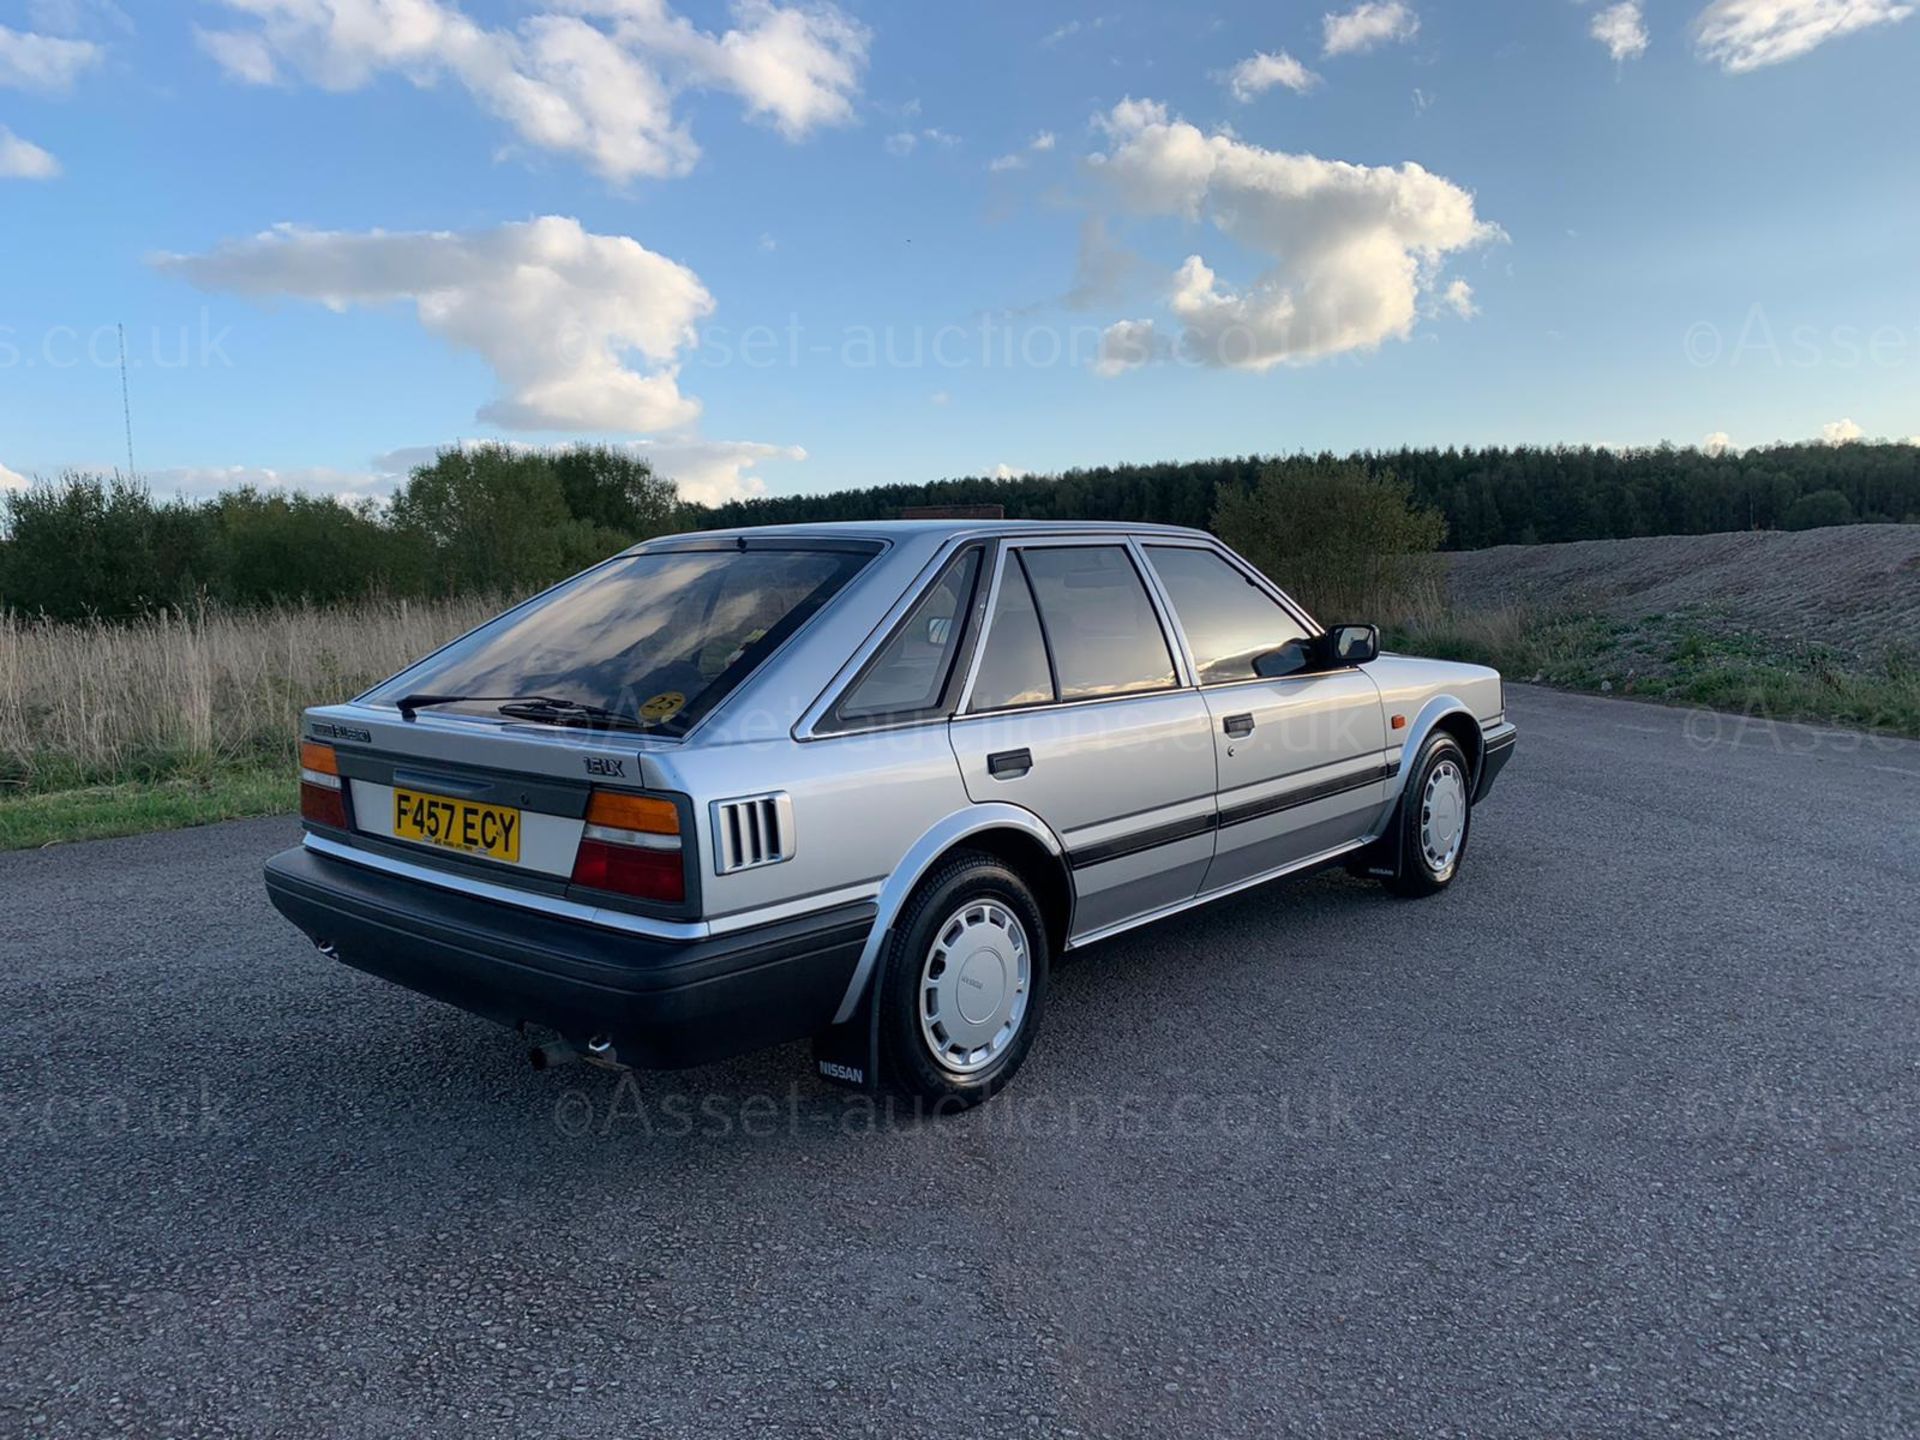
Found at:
(663, 706)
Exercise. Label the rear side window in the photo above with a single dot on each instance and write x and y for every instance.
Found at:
(912, 672)
(1229, 621)
(656, 638)
(1101, 628)
(1013, 665)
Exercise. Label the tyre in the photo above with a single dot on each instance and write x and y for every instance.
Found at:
(963, 984)
(1434, 818)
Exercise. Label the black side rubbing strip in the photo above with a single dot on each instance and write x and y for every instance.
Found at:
(1293, 799)
(1133, 844)
(1178, 830)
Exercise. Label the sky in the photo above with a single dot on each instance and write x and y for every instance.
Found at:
(781, 247)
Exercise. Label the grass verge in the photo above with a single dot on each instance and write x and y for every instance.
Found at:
(1683, 659)
(99, 812)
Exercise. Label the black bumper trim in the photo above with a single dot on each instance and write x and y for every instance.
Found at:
(664, 1003)
(1492, 761)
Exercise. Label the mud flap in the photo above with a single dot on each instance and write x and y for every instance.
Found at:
(1381, 859)
(849, 1053)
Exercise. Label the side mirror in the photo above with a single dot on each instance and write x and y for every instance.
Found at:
(1353, 644)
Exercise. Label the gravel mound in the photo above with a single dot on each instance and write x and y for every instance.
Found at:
(1853, 586)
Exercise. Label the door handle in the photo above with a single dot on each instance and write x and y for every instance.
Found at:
(1009, 764)
(1238, 726)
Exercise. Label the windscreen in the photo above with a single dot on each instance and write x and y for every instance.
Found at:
(656, 638)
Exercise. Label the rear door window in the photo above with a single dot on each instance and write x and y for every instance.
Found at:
(1014, 669)
(658, 638)
(1101, 629)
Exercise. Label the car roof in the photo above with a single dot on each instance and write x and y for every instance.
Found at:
(901, 529)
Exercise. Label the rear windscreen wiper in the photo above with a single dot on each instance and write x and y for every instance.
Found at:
(407, 704)
(569, 712)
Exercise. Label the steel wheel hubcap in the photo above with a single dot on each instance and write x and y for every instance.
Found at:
(1443, 815)
(974, 985)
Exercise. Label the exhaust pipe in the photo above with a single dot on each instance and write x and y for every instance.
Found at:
(552, 1054)
(600, 1052)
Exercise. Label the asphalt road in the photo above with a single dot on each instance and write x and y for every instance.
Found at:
(1618, 1137)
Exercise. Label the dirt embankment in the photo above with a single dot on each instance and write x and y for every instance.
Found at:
(1852, 587)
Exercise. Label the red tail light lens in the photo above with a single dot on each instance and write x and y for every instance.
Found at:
(631, 846)
(643, 873)
(322, 800)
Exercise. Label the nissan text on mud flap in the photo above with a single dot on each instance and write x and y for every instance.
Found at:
(861, 783)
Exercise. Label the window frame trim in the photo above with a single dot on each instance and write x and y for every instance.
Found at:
(1128, 544)
(831, 722)
(813, 722)
(1312, 627)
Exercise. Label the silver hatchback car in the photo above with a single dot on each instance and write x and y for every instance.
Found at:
(862, 783)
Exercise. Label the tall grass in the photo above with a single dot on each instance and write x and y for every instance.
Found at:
(186, 694)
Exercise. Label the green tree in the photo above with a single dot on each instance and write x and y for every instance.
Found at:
(1350, 544)
(92, 545)
(1821, 508)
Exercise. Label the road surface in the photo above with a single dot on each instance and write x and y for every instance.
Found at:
(1617, 1137)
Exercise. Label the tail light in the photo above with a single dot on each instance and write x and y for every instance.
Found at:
(321, 798)
(631, 846)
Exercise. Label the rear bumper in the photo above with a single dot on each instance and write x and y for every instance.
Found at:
(1496, 751)
(663, 1003)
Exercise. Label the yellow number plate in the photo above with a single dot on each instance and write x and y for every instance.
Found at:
(489, 830)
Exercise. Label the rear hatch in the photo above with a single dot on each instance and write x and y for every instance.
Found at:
(517, 755)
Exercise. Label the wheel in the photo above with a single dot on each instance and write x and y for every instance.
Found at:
(964, 983)
(1434, 817)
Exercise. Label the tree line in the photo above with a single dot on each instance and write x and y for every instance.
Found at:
(502, 519)
(1523, 495)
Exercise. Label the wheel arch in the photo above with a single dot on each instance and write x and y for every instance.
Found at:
(1014, 835)
(1449, 714)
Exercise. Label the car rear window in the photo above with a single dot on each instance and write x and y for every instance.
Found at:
(659, 637)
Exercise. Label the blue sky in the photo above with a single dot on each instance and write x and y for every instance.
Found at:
(806, 246)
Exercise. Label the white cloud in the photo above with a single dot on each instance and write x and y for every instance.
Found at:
(1004, 471)
(74, 17)
(1458, 297)
(1353, 247)
(1742, 35)
(1622, 29)
(1718, 443)
(906, 142)
(1126, 345)
(1017, 160)
(1366, 26)
(23, 160)
(593, 78)
(1257, 74)
(555, 310)
(1841, 432)
(45, 63)
(712, 471)
(1076, 27)
(12, 479)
